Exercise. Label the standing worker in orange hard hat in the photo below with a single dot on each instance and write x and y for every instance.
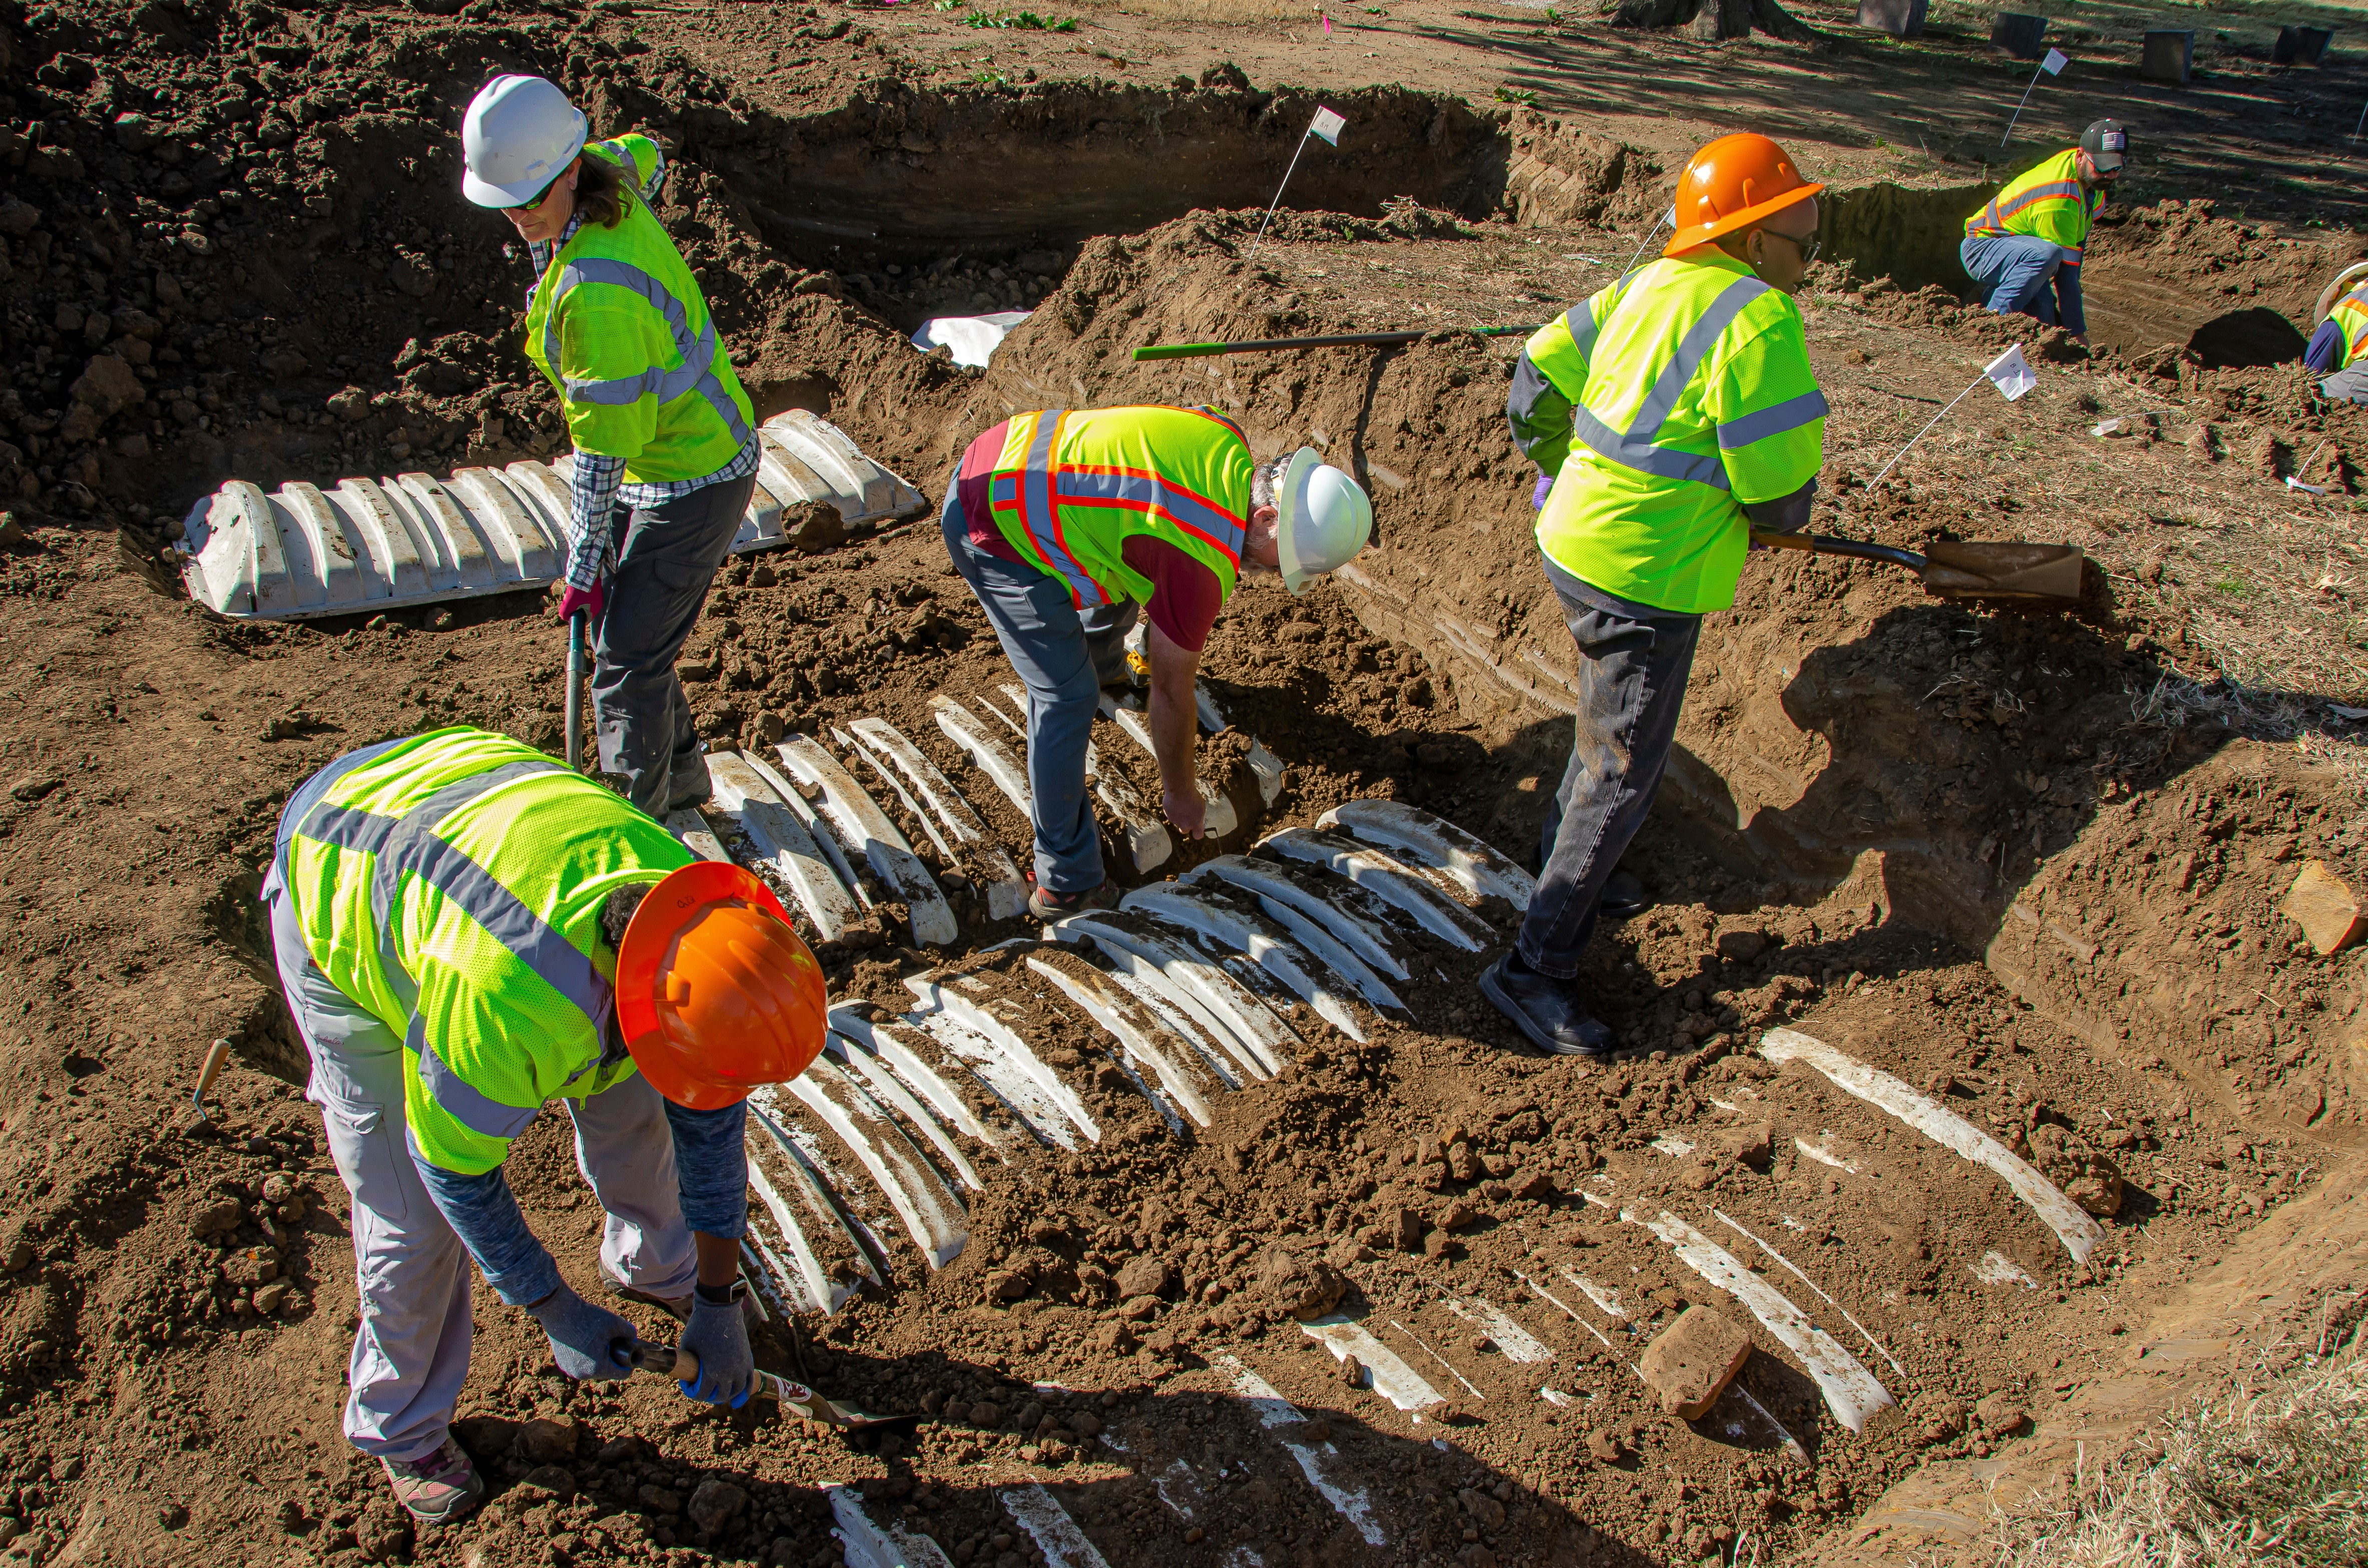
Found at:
(665, 449)
(2023, 246)
(1673, 412)
(465, 931)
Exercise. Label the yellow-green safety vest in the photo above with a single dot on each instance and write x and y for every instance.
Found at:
(620, 327)
(1691, 396)
(2048, 203)
(1071, 486)
(2350, 313)
(450, 884)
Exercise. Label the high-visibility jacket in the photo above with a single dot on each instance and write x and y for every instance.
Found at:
(2048, 203)
(2349, 315)
(1689, 396)
(1073, 485)
(450, 884)
(619, 326)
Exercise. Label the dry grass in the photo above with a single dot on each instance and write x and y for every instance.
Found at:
(2274, 1477)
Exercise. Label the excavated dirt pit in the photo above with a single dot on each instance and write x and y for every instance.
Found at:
(1944, 842)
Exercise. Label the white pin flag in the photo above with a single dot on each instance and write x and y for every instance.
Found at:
(2052, 62)
(2009, 372)
(1327, 124)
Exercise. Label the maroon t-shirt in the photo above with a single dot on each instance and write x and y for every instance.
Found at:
(1185, 594)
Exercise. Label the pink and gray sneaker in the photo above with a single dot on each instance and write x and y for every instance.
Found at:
(437, 1488)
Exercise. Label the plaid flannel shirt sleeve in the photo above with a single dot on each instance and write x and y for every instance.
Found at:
(593, 497)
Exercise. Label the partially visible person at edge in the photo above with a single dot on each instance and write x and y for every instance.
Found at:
(1069, 526)
(1673, 412)
(666, 446)
(465, 930)
(2023, 246)
(2339, 349)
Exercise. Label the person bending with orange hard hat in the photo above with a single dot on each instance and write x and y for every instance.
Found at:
(467, 930)
(1673, 412)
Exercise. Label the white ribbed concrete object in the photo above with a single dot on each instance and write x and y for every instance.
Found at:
(369, 545)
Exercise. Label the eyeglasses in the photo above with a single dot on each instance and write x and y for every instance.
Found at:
(1808, 246)
(537, 199)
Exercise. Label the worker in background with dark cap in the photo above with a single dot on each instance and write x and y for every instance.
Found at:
(2023, 246)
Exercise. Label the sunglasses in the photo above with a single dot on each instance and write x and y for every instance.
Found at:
(537, 199)
(1808, 248)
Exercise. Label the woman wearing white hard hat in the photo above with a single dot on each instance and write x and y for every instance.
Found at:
(1068, 524)
(666, 448)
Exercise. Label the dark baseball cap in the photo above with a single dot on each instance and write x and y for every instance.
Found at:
(2107, 143)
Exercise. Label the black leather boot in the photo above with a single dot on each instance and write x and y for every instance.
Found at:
(1545, 1008)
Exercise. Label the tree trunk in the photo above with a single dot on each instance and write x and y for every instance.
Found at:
(1777, 22)
(1714, 20)
(1721, 19)
(1652, 13)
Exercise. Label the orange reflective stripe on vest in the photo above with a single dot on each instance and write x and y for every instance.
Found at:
(1074, 509)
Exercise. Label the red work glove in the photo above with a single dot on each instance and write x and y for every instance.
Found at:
(590, 598)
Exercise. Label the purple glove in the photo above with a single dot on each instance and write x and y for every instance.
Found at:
(1538, 496)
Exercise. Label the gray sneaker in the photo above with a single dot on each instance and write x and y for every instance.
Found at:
(437, 1488)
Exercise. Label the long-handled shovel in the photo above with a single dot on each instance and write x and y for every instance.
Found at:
(795, 1398)
(2027, 574)
(575, 689)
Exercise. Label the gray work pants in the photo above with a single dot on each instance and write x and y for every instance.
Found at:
(665, 557)
(2347, 385)
(1063, 655)
(1632, 682)
(411, 1343)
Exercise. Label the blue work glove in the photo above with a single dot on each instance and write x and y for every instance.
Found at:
(587, 1341)
(718, 1336)
(1538, 496)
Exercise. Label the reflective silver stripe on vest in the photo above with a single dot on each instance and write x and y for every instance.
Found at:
(461, 1099)
(1579, 322)
(1636, 449)
(1039, 511)
(1773, 420)
(408, 843)
(697, 373)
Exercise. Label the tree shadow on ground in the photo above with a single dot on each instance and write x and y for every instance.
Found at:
(1225, 1468)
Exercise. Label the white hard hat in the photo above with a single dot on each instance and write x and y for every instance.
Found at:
(1325, 519)
(520, 135)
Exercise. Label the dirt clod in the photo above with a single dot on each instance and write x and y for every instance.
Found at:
(2326, 907)
(1692, 1359)
(1303, 1287)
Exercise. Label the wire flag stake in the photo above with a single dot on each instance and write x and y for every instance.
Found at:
(2052, 62)
(1326, 124)
(2009, 372)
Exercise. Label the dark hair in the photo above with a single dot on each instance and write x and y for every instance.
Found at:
(600, 190)
(617, 912)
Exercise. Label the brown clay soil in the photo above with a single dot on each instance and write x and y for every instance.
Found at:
(2029, 862)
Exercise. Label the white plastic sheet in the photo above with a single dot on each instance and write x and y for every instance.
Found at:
(974, 339)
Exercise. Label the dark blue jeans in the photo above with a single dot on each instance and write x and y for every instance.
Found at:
(1065, 655)
(1633, 665)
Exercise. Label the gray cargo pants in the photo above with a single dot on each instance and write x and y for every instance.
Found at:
(1065, 655)
(411, 1345)
(665, 557)
(1632, 682)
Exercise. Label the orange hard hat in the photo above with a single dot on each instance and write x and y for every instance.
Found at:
(1732, 184)
(715, 992)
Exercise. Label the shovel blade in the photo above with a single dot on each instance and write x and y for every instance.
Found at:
(2048, 573)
